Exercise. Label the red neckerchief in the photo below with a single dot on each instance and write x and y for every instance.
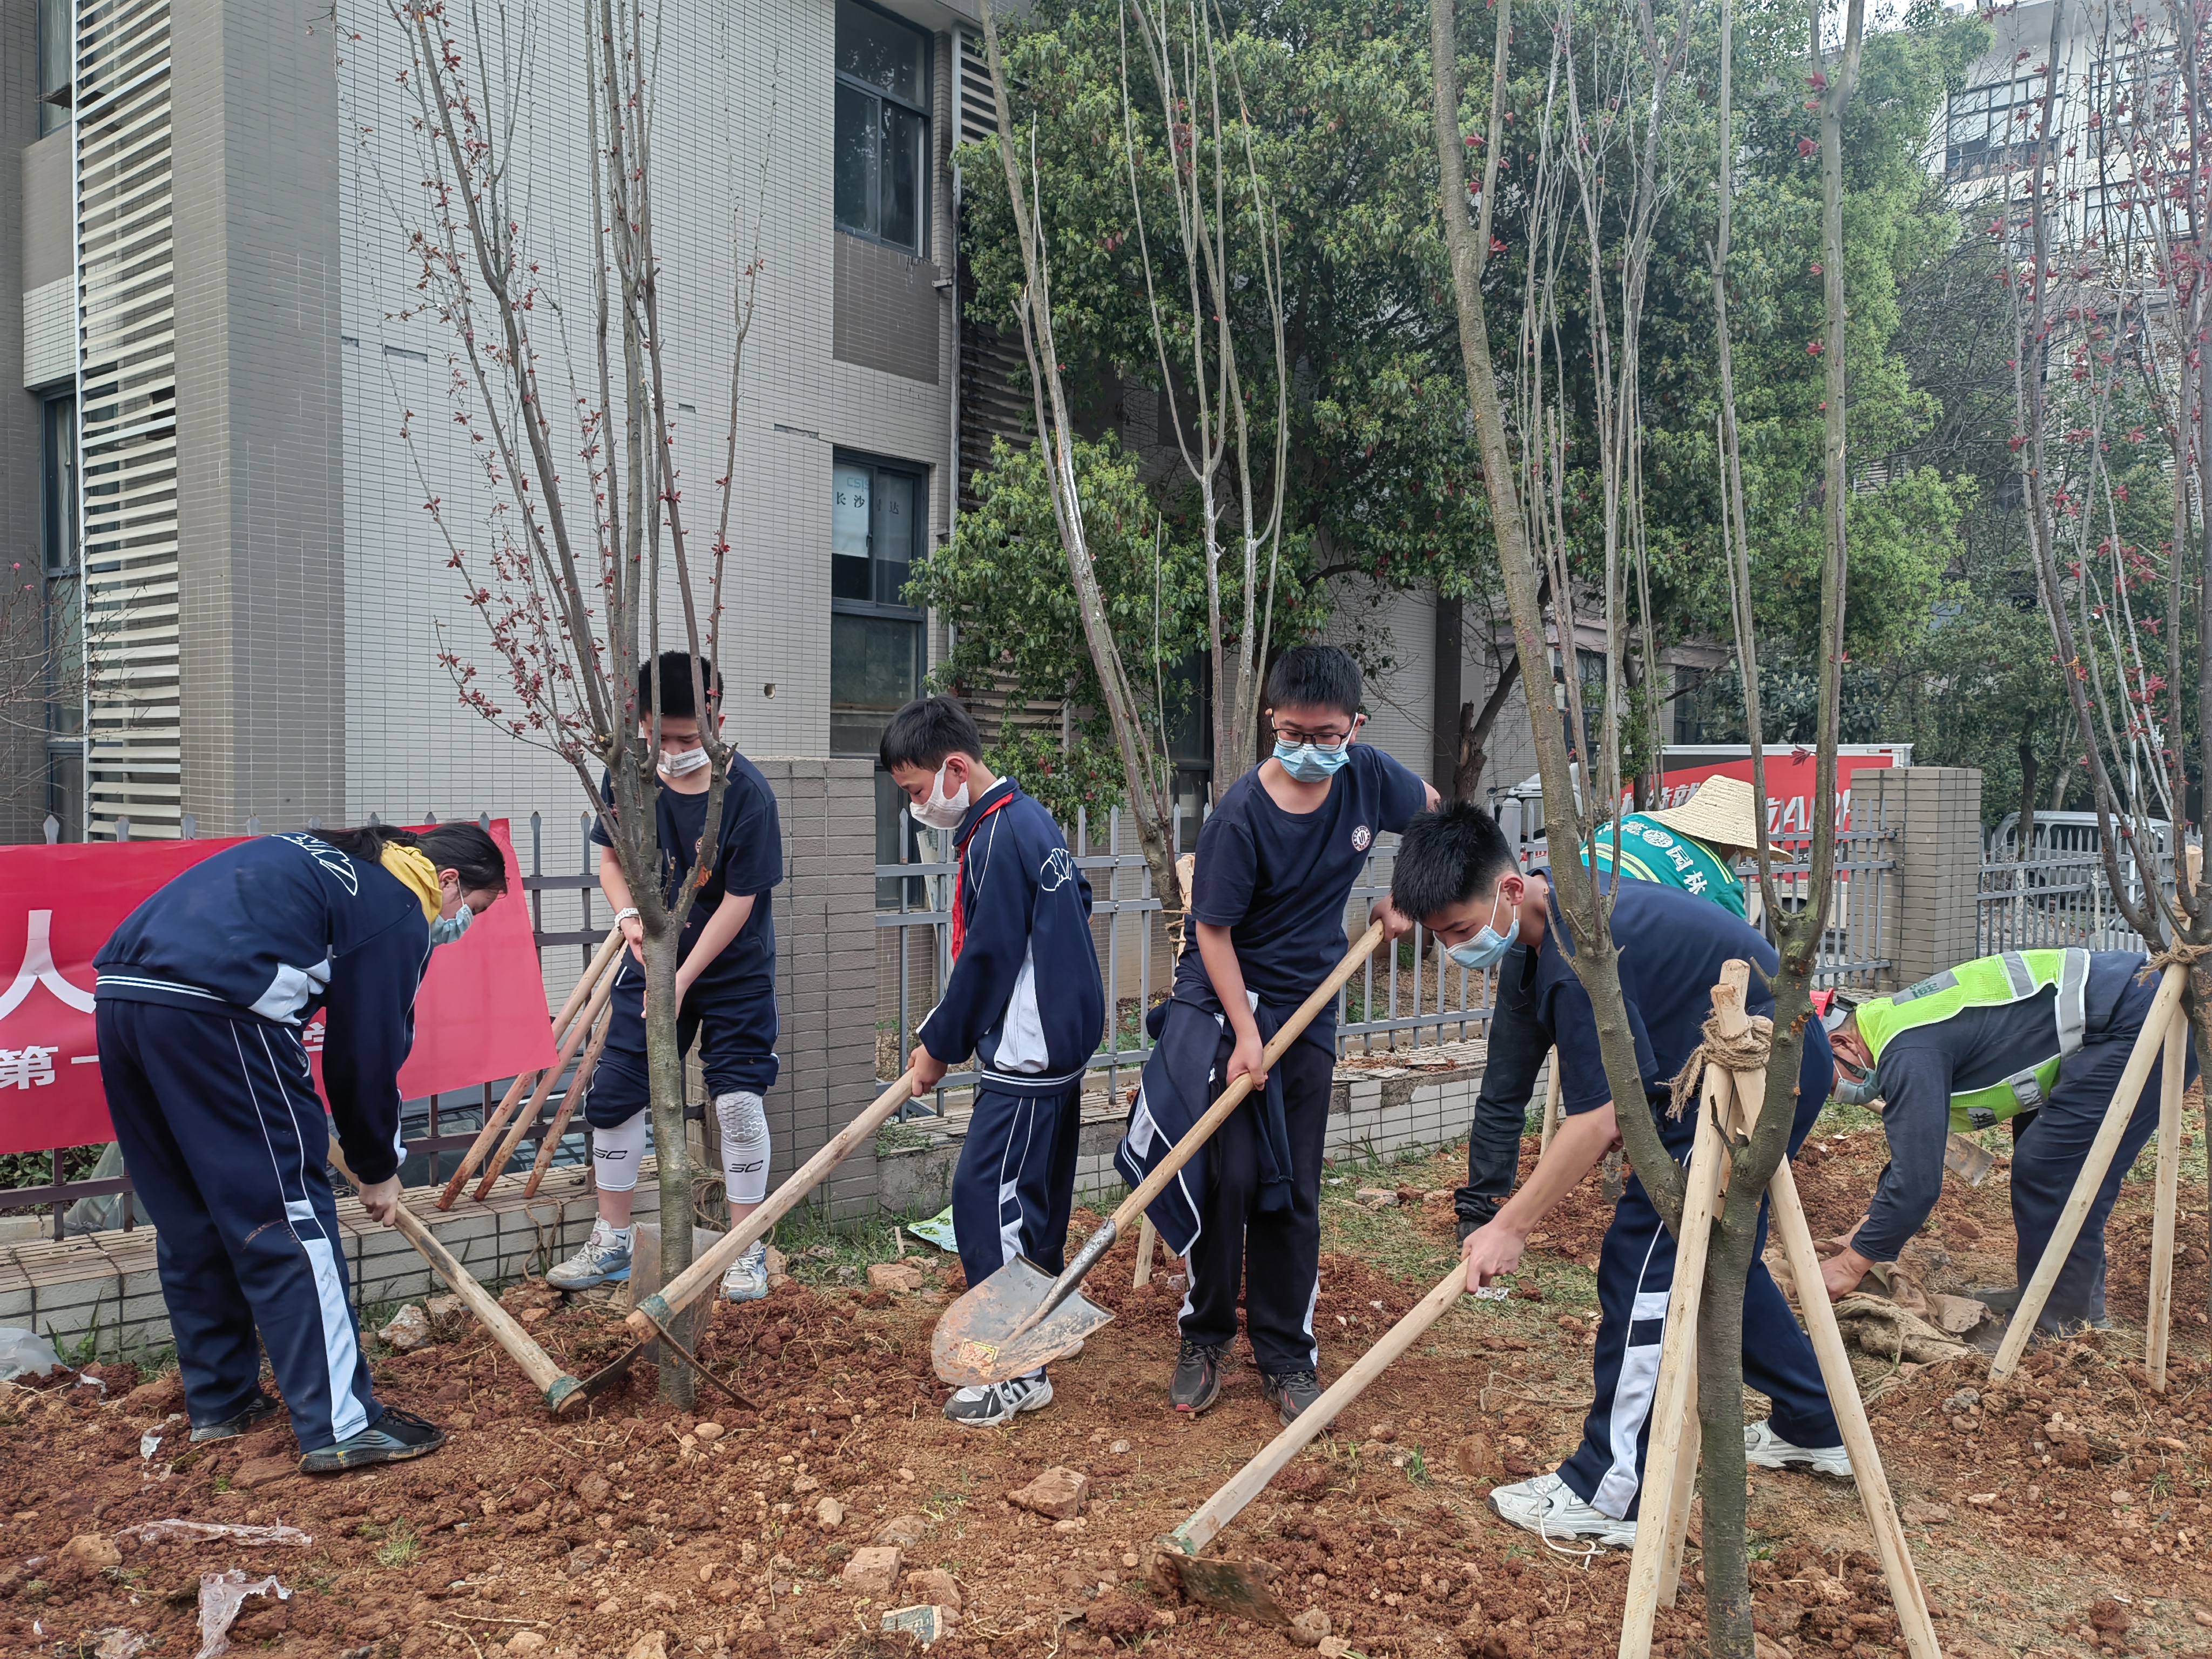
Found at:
(960, 875)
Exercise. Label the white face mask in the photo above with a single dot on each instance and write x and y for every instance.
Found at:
(446, 929)
(941, 811)
(683, 760)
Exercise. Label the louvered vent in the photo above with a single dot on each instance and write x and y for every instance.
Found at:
(127, 412)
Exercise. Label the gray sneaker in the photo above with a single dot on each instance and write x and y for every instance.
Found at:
(604, 1258)
(1000, 1403)
(747, 1279)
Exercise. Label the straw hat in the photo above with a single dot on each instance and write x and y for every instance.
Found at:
(1723, 813)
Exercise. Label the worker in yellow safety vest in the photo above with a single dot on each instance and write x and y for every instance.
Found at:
(2036, 1039)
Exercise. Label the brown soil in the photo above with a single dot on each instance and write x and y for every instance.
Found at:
(613, 1536)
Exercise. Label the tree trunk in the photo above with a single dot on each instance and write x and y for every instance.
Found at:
(1449, 718)
(663, 1070)
(1721, 1473)
(1474, 730)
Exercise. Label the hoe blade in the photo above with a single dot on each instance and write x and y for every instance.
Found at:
(1237, 1589)
(975, 1344)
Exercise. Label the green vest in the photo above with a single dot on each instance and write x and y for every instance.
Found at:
(1652, 851)
(1991, 982)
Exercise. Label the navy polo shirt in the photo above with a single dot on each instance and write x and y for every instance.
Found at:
(1671, 947)
(1280, 881)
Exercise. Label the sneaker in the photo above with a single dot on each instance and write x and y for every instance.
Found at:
(1548, 1507)
(246, 1422)
(747, 1279)
(1000, 1403)
(1766, 1450)
(393, 1438)
(1197, 1380)
(1290, 1393)
(605, 1258)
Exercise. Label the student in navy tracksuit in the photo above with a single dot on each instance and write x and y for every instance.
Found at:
(1456, 871)
(203, 993)
(1023, 997)
(1275, 866)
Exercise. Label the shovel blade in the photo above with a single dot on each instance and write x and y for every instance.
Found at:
(599, 1380)
(975, 1343)
(1237, 1589)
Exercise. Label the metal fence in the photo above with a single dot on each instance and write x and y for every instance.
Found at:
(1414, 996)
(2062, 900)
(435, 1131)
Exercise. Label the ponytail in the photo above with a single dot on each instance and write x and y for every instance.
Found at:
(465, 850)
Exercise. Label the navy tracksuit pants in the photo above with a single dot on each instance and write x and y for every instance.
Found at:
(225, 1142)
(1015, 1183)
(1635, 1276)
(2047, 1158)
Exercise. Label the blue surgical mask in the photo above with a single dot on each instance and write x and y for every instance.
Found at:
(446, 929)
(1487, 949)
(1853, 1086)
(1309, 762)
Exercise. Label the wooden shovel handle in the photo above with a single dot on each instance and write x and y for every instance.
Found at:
(656, 1312)
(540, 1367)
(546, 1079)
(1233, 1097)
(519, 1127)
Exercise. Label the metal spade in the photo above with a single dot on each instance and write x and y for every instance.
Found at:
(1018, 1318)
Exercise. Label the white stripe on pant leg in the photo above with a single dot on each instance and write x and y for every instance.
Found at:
(1009, 1232)
(1632, 1393)
(1312, 1342)
(340, 1355)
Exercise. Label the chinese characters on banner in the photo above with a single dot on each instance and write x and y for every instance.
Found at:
(1789, 774)
(480, 1014)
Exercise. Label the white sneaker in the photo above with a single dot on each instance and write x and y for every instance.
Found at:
(605, 1257)
(999, 1402)
(1548, 1507)
(1769, 1450)
(747, 1279)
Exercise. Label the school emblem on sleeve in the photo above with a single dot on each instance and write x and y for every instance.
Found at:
(1360, 837)
(1056, 872)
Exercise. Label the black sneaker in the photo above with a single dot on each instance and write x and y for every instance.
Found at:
(246, 1422)
(393, 1438)
(1290, 1393)
(1197, 1381)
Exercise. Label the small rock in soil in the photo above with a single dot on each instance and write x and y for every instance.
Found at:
(706, 1431)
(935, 1586)
(1057, 1494)
(650, 1645)
(2109, 1618)
(1383, 1433)
(1475, 1457)
(264, 1471)
(872, 1570)
(830, 1514)
(89, 1553)
(1926, 1515)
(900, 1530)
(1309, 1628)
(893, 1276)
(1117, 1617)
(408, 1331)
(1377, 1198)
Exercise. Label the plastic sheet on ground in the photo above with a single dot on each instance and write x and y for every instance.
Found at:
(163, 1532)
(937, 1231)
(221, 1596)
(26, 1353)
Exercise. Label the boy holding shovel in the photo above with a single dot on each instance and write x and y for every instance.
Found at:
(1275, 866)
(1457, 873)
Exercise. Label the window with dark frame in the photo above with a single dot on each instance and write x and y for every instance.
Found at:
(56, 30)
(877, 654)
(881, 167)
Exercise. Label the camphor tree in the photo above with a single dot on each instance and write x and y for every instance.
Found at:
(2110, 281)
(1520, 447)
(552, 313)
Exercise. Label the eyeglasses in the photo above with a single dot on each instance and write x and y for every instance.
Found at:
(1319, 739)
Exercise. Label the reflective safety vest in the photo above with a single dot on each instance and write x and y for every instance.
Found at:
(1991, 982)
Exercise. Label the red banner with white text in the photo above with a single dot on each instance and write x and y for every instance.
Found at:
(480, 1013)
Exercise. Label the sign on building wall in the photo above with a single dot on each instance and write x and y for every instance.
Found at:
(480, 1013)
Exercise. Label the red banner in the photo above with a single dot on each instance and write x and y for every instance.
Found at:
(1788, 786)
(480, 1013)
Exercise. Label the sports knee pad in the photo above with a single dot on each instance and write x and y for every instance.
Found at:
(744, 1145)
(616, 1152)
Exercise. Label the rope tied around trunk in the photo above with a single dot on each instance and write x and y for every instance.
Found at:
(2179, 954)
(1747, 1051)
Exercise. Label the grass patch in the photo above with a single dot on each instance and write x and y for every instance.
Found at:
(401, 1548)
(1408, 1254)
(902, 1138)
(820, 1254)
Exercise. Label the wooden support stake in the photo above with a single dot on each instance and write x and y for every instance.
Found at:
(2169, 1180)
(1674, 1414)
(551, 1138)
(480, 1151)
(2037, 1291)
(1550, 1104)
(1146, 1239)
(1684, 1490)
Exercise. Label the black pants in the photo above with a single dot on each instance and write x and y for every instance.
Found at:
(1516, 1055)
(1274, 1259)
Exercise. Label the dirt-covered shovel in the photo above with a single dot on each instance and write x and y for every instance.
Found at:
(1240, 1587)
(1021, 1317)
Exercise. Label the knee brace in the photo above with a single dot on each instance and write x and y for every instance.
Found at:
(616, 1152)
(744, 1145)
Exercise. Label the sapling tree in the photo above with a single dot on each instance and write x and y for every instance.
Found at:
(582, 555)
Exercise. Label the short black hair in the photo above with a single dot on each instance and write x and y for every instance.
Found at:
(673, 674)
(463, 848)
(1447, 857)
(926, 731)
(1314, 677)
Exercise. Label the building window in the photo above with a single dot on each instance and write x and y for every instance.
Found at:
(62, 626)
(59, 491)
(56, 25)
(877, 652)
(882, 166)
(1985, 125)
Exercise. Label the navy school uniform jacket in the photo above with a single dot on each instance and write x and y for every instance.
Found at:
(272, 929)
(1025, 997)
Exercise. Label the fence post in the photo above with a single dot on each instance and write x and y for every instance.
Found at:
(123, 828)
(1935, 813)
(53, 829)
(188, 827)
(253, 826)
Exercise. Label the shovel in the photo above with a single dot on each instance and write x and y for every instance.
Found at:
(1020, 1318)
(1238, 1587)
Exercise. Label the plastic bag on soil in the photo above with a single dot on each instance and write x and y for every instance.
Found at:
(937, 1231)
(26, 1353)
(157, 1532)
(221, 1595)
